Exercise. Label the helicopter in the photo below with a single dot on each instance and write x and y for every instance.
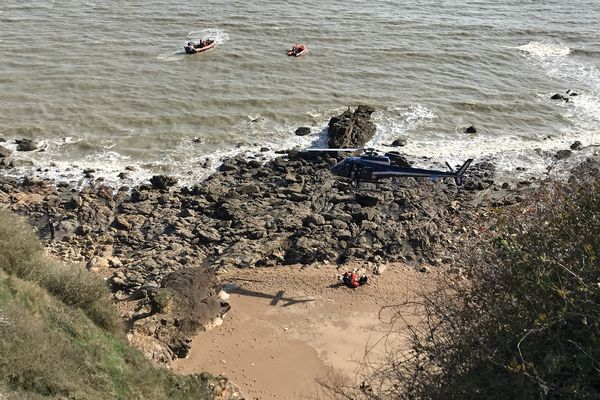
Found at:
(372, 166)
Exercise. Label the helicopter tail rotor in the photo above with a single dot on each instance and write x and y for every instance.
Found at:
(458, 177)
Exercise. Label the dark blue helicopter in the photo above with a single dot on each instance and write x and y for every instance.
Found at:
(370, 167)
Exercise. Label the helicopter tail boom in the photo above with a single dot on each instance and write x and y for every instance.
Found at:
(458, 177)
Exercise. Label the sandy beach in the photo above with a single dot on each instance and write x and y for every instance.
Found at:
(290, 327)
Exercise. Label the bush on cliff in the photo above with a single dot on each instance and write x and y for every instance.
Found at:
(60, 337)
(21, 255)
(525, 325)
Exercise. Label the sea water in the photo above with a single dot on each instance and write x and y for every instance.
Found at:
(106, 84)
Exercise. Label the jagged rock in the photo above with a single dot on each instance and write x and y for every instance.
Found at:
(31, 181)
(162, 182)
(75, 201)
(121, 223)
(576, 145)
(228, 167)
(559, 96)
(26, 145)
(368, 199)
(6, 162)
(562, 154)
(4, 152)
(379, 269)
(172, 315)
(352, 129)
(188, 212)
(138, 196)
(82, 230)
(471, 129)
(97, 263)
(207, 234)
(315, 219)
(302, 131)
(249, 188)
(401, 142)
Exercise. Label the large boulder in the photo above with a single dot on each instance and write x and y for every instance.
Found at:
(4, 152)
(170, 316)
(302, 131)
(352, 129)
(162, 182)
(26, 145)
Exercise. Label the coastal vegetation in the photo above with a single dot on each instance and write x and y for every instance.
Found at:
(524, 320)
(60, 336)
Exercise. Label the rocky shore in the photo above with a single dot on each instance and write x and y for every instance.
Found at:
(161, 246)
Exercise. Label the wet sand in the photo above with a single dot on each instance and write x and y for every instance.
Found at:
(290, 327)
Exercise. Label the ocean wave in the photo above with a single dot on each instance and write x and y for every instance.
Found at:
(586, 52)
(398, 120)
(544, 50)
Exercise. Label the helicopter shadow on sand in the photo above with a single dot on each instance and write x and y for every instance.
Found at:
(275, 298)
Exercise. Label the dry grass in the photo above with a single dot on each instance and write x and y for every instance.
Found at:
(60, 337)
(21, 255)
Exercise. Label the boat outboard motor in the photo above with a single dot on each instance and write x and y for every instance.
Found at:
(190, 49)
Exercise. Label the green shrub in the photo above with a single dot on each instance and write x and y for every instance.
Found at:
(52, 350)
(526, 323)
(20, 249)
(77, 287)
(21, 254)
(57, 333)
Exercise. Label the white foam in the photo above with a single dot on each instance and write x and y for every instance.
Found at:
(544, 50)
(216, 34)
(583, 112)
(67, 140)
(171, 56)
(398, 120)
(511, 152)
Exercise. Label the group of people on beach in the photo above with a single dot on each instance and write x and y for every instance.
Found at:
(353, 279)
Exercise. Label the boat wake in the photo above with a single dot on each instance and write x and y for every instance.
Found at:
(218, 35)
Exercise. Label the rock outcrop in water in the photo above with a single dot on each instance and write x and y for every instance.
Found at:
(26, 145)
(352, 129)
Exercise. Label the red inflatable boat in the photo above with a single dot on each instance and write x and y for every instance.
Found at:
(298, 50)
(193, 48)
